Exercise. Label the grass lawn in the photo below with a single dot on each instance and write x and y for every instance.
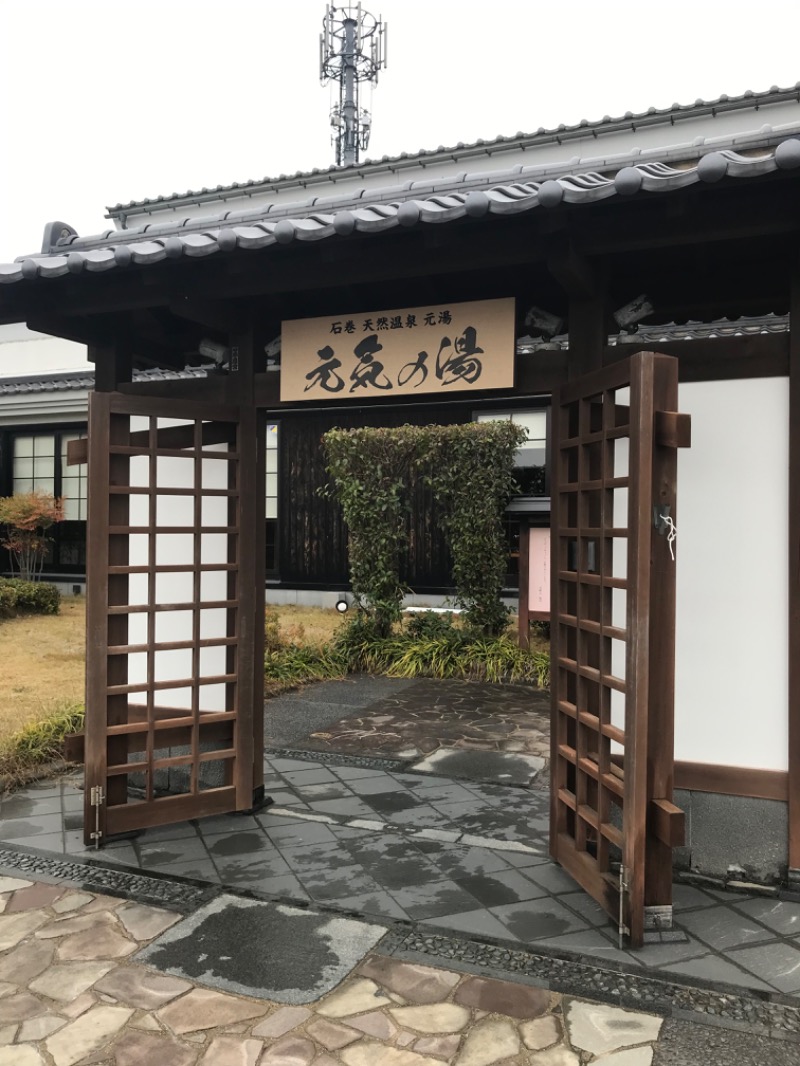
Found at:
(42, 660)
(43, 657)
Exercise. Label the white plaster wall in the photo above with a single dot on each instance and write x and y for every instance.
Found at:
(178, 549)
(731, 694)
(24, 352)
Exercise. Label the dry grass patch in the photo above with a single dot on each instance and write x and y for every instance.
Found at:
(42, 660)
(43, 657)
(306, 625)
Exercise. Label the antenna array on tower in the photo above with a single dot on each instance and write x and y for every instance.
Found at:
(352, 50)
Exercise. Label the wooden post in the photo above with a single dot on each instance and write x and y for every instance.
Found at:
(252, 554)
(794, 576)
(588, 335)
(661, 696)
(113, 366)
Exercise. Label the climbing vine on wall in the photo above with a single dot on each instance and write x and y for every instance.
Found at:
(470, 471)
(371, 470)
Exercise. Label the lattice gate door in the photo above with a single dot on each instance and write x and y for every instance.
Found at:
(614, 468)
(171, 675)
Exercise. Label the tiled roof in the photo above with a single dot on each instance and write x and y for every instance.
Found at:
(558, 135)
(81, 379)
(525, 189)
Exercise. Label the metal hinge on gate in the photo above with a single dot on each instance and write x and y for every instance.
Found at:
(623, 929)
(97, 798)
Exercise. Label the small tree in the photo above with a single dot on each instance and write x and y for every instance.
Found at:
(26, 518)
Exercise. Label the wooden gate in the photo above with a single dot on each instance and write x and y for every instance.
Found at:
(614, 468)
(173, 591)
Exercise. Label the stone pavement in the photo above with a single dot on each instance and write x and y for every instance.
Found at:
(461, 858)
(415, 718)
(73, 991)
(448, 852)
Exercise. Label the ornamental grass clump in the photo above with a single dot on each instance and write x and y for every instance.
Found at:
(37, 745)
(438, 646)
(289, 660)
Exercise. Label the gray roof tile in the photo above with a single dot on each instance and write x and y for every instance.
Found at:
(82, 379)
(559, 134)
(503, 195)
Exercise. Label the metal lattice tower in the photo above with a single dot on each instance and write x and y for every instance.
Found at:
(352, 50)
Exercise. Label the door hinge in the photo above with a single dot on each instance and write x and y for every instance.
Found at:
(97, 798)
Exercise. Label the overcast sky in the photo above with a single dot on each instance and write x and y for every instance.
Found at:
(107, 101)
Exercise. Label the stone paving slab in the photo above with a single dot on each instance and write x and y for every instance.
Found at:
(383, 1011)
(428, 715)
(477, 866)
(286, 954)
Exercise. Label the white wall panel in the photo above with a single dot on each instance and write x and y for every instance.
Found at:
(732, 547)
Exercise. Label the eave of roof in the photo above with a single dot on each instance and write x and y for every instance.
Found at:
(70, 380)
(196, 238)
(561, 134)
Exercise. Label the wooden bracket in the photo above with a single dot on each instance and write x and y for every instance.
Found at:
(667, 823)
(673, 430)
(77, 451)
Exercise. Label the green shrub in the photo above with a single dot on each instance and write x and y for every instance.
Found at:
(8, 599)
(426, 624)
(31, 597)
(469, 469)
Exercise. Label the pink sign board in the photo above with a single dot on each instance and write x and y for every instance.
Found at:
(539, 571)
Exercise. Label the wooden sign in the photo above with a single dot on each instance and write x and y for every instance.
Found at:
(539, 572)
(442, 348)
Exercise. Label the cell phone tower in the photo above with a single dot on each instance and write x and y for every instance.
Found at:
(352, 49)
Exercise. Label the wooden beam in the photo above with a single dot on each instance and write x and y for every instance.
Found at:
(673, 430)
(793, 575)
(77, 452)
(78, 330)
(732, 780)
(759, 355)
(210, 388)
(667, 823)
(214, 315)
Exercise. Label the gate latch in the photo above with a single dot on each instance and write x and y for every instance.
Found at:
(622, 928)
(97, 798)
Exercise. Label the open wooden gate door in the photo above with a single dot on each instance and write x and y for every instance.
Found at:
(174, 728)
(614, 472)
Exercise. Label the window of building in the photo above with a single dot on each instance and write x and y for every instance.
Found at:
(37, 462)
(529, 469)
(74, 483)
(531, 475)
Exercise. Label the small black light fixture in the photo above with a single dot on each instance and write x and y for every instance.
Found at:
(342, 606)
